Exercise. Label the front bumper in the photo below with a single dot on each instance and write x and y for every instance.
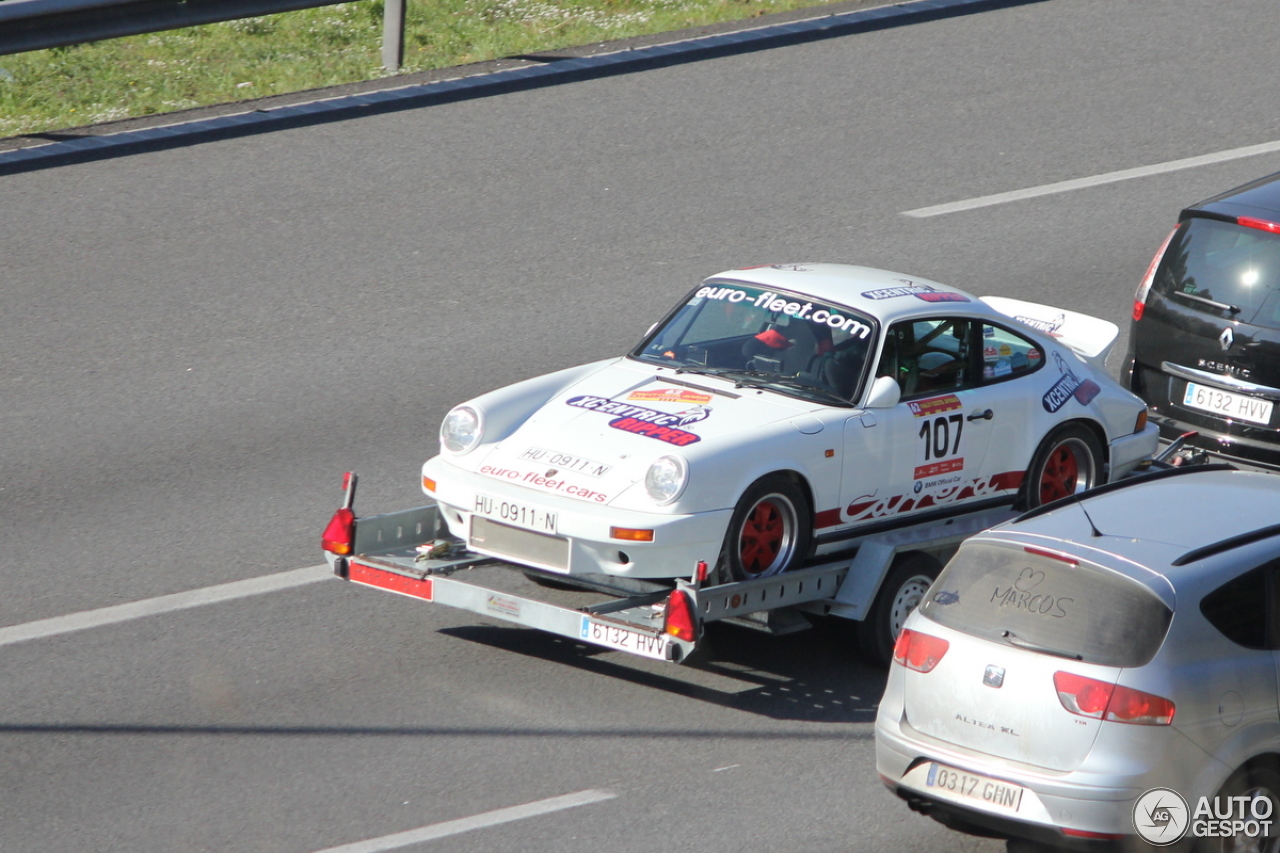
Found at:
(581, 542)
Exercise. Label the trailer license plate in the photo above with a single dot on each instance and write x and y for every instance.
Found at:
(624, 639)
(1226, 404)
(972, 786)
(516, 513)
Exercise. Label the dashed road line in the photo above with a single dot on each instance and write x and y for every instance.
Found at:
(1094, 181)
(468, 824)
(117, 613)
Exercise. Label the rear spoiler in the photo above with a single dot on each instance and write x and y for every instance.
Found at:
(1091, 338)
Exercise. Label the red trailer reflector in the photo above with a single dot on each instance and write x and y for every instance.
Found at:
(339, 536)
(391, 581)
(679, 620)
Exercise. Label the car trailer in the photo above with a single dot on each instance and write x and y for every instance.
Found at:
(876, 583)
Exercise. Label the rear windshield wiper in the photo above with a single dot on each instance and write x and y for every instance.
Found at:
(1221, 306)
(1014, 640)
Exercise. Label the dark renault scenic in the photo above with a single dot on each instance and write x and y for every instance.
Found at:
(1204, 345)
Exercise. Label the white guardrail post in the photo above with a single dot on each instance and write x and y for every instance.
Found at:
(393, 35)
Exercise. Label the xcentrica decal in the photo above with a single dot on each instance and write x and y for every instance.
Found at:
(1068, 386)
(1162, 816)
(920, 291)
(778, 304)
(662, 426)
(1049, 327)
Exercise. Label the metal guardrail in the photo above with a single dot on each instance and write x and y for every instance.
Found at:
(39, 24)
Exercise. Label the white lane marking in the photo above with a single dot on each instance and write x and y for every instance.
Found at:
(1096, 180)
(467, 824)
(161, 604)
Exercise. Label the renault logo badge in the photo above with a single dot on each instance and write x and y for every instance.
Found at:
(994, 676)
(1227, 338)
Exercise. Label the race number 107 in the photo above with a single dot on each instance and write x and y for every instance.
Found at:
(941, 436)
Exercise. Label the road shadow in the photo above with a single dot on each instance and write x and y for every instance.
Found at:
(810, 676)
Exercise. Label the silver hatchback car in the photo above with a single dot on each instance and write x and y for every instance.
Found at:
(1101, 672)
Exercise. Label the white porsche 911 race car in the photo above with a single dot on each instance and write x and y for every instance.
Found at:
(781, 412)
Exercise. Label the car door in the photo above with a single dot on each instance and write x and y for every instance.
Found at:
(929, 449)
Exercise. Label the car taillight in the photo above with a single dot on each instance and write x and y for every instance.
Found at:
(340, 533)
(1140, 298)
(921, 652)
(1260, 224)
(1101, 700)
(679, 620)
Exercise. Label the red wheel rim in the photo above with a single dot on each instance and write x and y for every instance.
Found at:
(763, 535)
(1061, 474)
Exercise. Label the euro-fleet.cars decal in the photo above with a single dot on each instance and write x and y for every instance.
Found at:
(640, 420)
(777, 304)
(1067, 387)
(923, 292)
(550, 480)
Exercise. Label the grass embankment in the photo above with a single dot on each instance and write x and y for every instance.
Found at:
(327, 46)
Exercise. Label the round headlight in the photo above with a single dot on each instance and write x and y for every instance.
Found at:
(461, 429)
(666, 479)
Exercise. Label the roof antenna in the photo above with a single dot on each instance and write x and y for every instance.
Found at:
(1092, 526)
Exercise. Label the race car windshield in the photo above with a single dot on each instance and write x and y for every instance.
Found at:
(765, 338)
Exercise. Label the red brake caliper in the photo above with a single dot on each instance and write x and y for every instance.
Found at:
(761, 537)
(1059, 470)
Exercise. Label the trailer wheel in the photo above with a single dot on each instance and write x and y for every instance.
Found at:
(769, 532)
(1067, 462)
(901, 592)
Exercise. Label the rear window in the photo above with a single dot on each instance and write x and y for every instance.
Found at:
(1224, 269)
(1008, 594)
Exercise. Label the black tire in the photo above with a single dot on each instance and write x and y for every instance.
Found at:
(1068, 462)
(901, 592)
(1252, 782)
(770, 530)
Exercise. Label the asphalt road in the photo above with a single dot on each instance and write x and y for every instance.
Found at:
(196, 341)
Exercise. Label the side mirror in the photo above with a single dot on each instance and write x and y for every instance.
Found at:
(885, 393)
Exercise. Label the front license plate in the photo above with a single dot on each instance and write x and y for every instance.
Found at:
(972, 786)
(516, 513)
(615, 637)
(1227, 404)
